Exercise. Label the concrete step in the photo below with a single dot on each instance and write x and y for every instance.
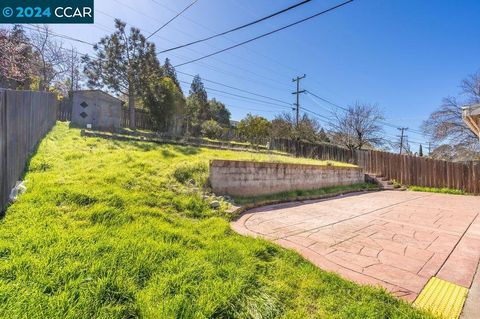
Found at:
(383, 182)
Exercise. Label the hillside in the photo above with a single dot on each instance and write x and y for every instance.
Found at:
(112, 229)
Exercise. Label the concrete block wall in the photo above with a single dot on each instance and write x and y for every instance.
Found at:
(245, 178)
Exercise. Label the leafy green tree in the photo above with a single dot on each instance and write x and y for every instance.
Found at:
(219, 112)
(308, 129)
(211, 129)
(254, 128)
(163, 99)
(124, 62)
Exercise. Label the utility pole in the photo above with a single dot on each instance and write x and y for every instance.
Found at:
(429, 148)
(402, 136)
(297, 93)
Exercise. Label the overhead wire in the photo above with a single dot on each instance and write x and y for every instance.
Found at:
(173, 18)
(239, 27)
(232, 87)
(258, 53)
(267, 34)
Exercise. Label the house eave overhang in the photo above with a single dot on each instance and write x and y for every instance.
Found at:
(471, 116)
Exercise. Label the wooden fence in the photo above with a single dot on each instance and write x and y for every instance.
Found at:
(64, 110)
(25, 118)
(422, 171)
(142, 119)
(323, 151)
(406, 169)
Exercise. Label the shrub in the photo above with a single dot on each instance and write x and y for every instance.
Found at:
(211, 129)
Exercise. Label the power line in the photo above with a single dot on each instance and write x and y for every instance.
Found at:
(327, 101)
(195, 51)
(58, 35)
(55, 34)
(266, 34)
(240, 56)
(206, 66)
(239, 27)
(173, 18)
(253, 62)
(346, 109)
(235, 88)
(325, 118)
(207, 80)
(241, 96)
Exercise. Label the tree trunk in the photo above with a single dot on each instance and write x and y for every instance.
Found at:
(131, 109)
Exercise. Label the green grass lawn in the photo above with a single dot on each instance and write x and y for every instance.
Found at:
(112, 229)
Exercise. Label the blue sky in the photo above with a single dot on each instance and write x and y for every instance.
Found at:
(403, 55)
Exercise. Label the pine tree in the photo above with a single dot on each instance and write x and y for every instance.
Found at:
(124, 62)
(197, 106)
(199, 95)
(420, 151)
(169, 71)
(197, 90)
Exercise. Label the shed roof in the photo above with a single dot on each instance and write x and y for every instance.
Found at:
(99, 91)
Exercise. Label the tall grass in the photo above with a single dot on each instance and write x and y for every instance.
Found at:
(113, 229)
(443, 190)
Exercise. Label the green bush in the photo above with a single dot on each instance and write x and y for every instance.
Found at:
(211, 129)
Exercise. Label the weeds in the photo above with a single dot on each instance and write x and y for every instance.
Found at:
(437, 190)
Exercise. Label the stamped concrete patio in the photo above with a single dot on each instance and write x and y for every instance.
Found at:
(398, 240)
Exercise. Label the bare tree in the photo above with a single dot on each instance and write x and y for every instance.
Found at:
(358, 127)
(446, 124)
(52, 59)
(71, 80)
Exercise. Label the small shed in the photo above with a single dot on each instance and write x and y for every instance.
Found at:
(96, 109)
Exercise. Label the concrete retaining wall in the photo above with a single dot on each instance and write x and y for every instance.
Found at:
(243, 178)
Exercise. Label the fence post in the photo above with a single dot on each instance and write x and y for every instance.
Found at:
(3, 152)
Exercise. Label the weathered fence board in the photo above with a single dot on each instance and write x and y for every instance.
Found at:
(406, 169)
(64, 110)
(25, 118)
(411, 170)
(142, 119)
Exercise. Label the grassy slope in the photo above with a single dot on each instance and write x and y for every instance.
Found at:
(105, 230)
